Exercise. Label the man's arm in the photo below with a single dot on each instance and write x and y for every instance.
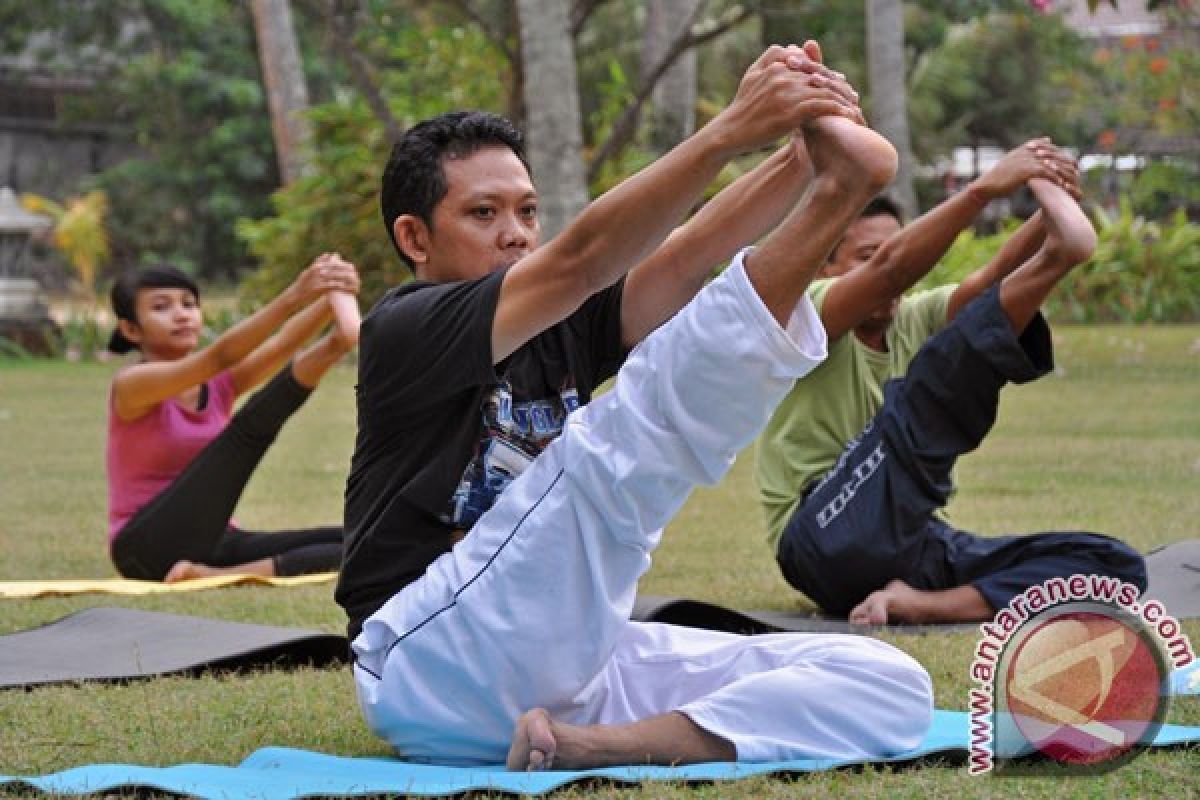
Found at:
(780, 92)
(907, 256)
(740, 214)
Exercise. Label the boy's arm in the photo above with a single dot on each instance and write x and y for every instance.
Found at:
(1018, 249)
(779, 93)
(907, 256)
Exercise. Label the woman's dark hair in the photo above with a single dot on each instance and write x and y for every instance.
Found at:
(124, 296)
(414, 181)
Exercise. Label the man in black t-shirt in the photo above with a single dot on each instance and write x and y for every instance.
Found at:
(515, 642)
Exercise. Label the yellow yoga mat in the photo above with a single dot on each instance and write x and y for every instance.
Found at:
(12, 590)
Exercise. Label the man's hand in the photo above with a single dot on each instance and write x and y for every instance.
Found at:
(1037, 158)
(784, 90)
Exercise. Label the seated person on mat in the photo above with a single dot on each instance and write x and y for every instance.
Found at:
(515, 642)
(177, 461)
(855, 464)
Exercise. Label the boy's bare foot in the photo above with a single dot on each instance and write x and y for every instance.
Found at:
(898, 602)
(1070, 237)
(533, 743)
(875, 610)
(849, 157)
(346, 319)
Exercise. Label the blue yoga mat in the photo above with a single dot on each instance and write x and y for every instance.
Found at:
(1186, 680)
(275, 773)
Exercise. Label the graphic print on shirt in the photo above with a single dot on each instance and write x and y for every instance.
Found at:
(513, 435)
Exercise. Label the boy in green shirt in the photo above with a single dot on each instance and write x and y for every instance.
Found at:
(856, 462)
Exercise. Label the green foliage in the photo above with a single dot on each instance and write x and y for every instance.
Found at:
(181, 79)
(971, 88)
(1163, 187)
(337, 207)
(11, 351)
(969, 252)
(1142, 271)
(614, 94)
(196, 108)
(1148, 84)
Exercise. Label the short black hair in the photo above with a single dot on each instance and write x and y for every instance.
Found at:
(414, 180)
(880, 205)
(124, 296)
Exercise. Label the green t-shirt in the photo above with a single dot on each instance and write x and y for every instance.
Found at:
(831, 405)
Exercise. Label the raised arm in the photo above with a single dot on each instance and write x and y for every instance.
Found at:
(739, 215)
(780, 92)
(1018, 249)
(907, 256)
(140, 387)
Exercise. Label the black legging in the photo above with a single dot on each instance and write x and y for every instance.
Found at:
(189, 520)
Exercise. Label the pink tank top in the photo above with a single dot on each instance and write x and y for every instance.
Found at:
(144, 456)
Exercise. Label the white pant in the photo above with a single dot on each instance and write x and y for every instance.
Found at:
(532, 608)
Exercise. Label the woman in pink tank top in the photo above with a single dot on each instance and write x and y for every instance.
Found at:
(178, 458)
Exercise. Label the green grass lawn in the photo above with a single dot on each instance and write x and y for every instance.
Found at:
(1111, 443)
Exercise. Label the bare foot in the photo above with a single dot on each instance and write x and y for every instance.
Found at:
(1070, 237)
(875, 609)
(533, 743)
(190, 570)
(849, 156)
(186, 571)
(346, 319)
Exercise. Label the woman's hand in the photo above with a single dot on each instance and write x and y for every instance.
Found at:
(328, 272)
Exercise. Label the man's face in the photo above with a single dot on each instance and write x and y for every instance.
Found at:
(487, 220)
(862, 239)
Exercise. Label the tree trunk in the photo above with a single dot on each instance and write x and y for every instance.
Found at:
(287, 93)
(886, 80)
(553, 122)
(674, 98)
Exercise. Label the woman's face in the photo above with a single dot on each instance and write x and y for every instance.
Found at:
(168, 322)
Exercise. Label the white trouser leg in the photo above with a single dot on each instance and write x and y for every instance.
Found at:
(526, 611)
(775, 697)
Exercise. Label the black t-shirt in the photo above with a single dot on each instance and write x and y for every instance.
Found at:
(442, 431)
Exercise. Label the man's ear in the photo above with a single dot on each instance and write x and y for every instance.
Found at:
(412, 237)
(130, 330)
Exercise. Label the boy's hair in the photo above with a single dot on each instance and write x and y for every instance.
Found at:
(882, 204)
(414, 180)
(124, 296)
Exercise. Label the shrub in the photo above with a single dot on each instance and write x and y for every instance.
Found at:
(1142, 271)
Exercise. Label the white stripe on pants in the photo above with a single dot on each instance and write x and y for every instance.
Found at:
(531, 608)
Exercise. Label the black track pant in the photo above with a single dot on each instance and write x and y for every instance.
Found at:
(871, 518)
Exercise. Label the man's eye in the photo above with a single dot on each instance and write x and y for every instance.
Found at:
(529, 212)
(484, 212)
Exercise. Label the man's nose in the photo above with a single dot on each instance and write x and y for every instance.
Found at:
(514, 233)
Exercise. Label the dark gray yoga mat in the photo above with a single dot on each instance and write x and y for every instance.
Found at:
(1174, 572)
(113, 644)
